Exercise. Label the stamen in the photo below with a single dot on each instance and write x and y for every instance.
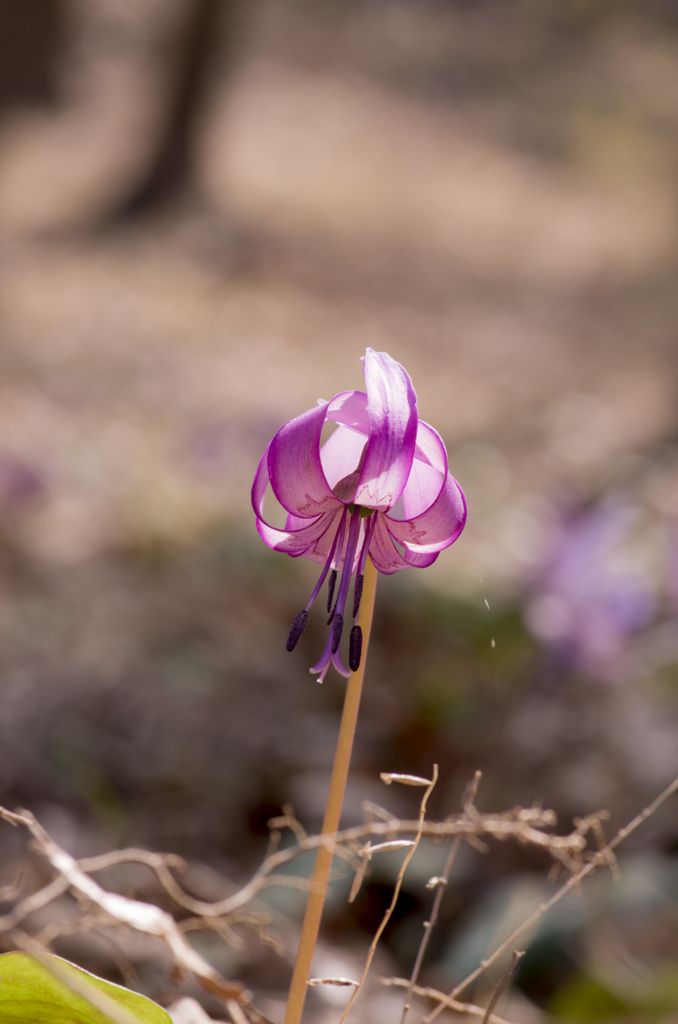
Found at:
(298, 626)
(335, 559)
(330, 589)
(360, 576)
(349, 513)
(337, 628)
(348, 560)
(357, 593)
(355, 648)
(367, 540)
(344, 554)
(336, 543)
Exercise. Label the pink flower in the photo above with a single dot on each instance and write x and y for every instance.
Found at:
(586, 604)
(380, 485)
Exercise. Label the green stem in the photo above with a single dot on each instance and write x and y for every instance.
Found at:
(335, 799)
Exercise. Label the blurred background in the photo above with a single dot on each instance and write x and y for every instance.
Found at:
(208, 210)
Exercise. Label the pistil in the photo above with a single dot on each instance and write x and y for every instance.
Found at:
(355, 645)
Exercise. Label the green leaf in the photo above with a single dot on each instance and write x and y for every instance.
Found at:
(585, 999)
(29, 991)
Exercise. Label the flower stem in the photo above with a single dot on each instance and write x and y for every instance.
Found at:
(335, 799)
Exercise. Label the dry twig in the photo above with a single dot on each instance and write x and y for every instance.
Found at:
(141, 917)
(602, 856)
(531, 826)
(440, 884)
(430, 784)
(516, 960)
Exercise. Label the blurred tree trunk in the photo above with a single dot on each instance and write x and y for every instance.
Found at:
(32, 33)
(207, 31)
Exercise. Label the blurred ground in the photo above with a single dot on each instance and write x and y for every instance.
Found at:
(490, 194)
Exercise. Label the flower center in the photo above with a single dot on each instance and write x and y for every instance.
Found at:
(349, 549)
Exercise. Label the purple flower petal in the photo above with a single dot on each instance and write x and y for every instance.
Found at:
(385, 554)
(350, 409)
(438, 526)
(340, 457)
(433, 503)
(392, 408)
(295, 467)
(319, 535)
(297, 542)
(298, 536)
(429, 470)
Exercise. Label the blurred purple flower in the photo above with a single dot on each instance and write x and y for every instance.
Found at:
(21, 484)
(673, 571)
(586, 603)
(379, 485)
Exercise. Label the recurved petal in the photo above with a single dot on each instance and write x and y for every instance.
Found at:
(295, 468)
(340, 457)
(342, 454)
(429, 470)
(392, 410)
(386, 556)
(260, 485)
(302, 541)
(350, 409)
(298, 534)
(321, 538)
(436, 527)
(421, 490)
(430, 447)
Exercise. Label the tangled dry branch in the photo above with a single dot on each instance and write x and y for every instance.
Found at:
(96, 906)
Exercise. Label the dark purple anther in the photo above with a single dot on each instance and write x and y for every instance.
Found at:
(330, 589)
(357, 593)
(337, 627)
(298, 626)
(355, 648)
